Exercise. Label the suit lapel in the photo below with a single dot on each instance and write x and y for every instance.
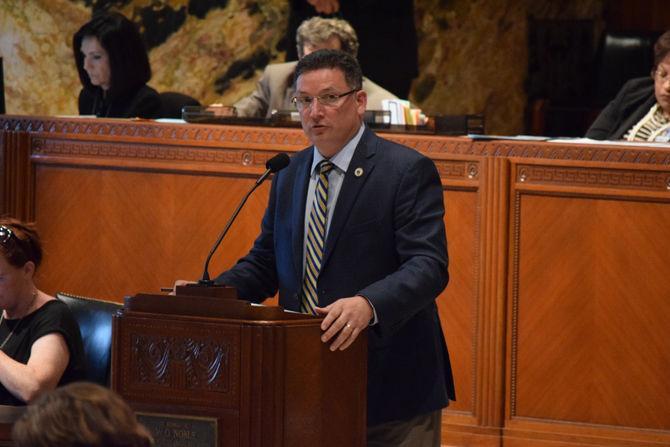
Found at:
(360, 168)
(298, 201)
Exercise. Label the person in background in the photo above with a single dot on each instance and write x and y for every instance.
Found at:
(641, 109)
(77, 415)
(40, 342)
(275, 88)
(114, 69)
(354, 232)
(389, 51)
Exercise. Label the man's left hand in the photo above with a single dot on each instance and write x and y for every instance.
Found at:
(344, 320)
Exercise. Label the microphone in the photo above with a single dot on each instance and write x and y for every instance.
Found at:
(275, 164)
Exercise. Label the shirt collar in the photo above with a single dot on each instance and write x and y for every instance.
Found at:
(342, 159)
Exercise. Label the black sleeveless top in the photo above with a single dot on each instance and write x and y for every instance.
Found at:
(53, 317)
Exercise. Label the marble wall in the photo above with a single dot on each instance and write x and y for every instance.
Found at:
(473, 53)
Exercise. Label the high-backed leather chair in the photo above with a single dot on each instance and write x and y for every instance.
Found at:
(570, 82)
(95, 324)
(173, 102)
(621, 57)
(560, 61)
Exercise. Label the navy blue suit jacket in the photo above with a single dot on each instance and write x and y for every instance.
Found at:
(387, 243)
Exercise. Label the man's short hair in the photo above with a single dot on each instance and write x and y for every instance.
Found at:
(334, 59)
(318, 30)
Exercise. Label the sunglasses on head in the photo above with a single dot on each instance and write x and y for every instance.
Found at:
(12, 245)
(6, 234)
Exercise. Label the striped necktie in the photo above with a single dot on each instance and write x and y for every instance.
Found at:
(315, 242)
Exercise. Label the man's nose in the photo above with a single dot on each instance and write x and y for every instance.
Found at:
(315, 107)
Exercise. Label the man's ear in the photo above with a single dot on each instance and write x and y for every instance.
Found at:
(361, 101)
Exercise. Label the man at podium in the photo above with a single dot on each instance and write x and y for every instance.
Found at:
(354, 232)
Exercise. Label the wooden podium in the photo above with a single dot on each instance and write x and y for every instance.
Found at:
(207, 371)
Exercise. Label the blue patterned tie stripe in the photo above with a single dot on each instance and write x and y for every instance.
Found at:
(315, 241)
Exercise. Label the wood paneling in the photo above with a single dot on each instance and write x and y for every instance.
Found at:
(459, 327)
(103, 215)
(588, 305)
(600, 344)
(260, 376)
(557, 307)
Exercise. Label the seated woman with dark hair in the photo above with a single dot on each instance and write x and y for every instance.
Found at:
(641, 109)
(114, 69)
(40, 343)
(80, 414)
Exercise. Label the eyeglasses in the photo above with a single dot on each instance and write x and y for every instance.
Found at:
(5, 234)
(327, 99)
(660, 75)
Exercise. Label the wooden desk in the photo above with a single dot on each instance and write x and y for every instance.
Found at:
(557, 310)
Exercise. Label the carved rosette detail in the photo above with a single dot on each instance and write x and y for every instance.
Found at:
(199, 364)
(560, 151)
(291, 139)
(154, 152)
(456, 169)
(433, 144)
(194, 134)
(180, 134)
(600, 178)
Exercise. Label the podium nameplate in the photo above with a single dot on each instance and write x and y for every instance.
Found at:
(171, 430)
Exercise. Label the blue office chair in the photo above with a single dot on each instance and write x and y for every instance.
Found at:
(94, 317)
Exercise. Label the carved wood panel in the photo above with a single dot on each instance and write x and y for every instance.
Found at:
(119, 232)
(458, 303)
(588, 340)
(591, 343)
(179, 363)
(558, 257)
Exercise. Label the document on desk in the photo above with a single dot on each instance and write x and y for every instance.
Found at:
(475, 136)
(609, 142)
(170, 120)
(285, 310)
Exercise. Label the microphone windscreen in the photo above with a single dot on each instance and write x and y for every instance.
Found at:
(277, 163)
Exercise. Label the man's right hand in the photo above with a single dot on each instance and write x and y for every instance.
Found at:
(180, 282)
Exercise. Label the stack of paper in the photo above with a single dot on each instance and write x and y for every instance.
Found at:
(403, 113)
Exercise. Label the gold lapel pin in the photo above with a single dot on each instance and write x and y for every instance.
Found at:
(358, 172)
